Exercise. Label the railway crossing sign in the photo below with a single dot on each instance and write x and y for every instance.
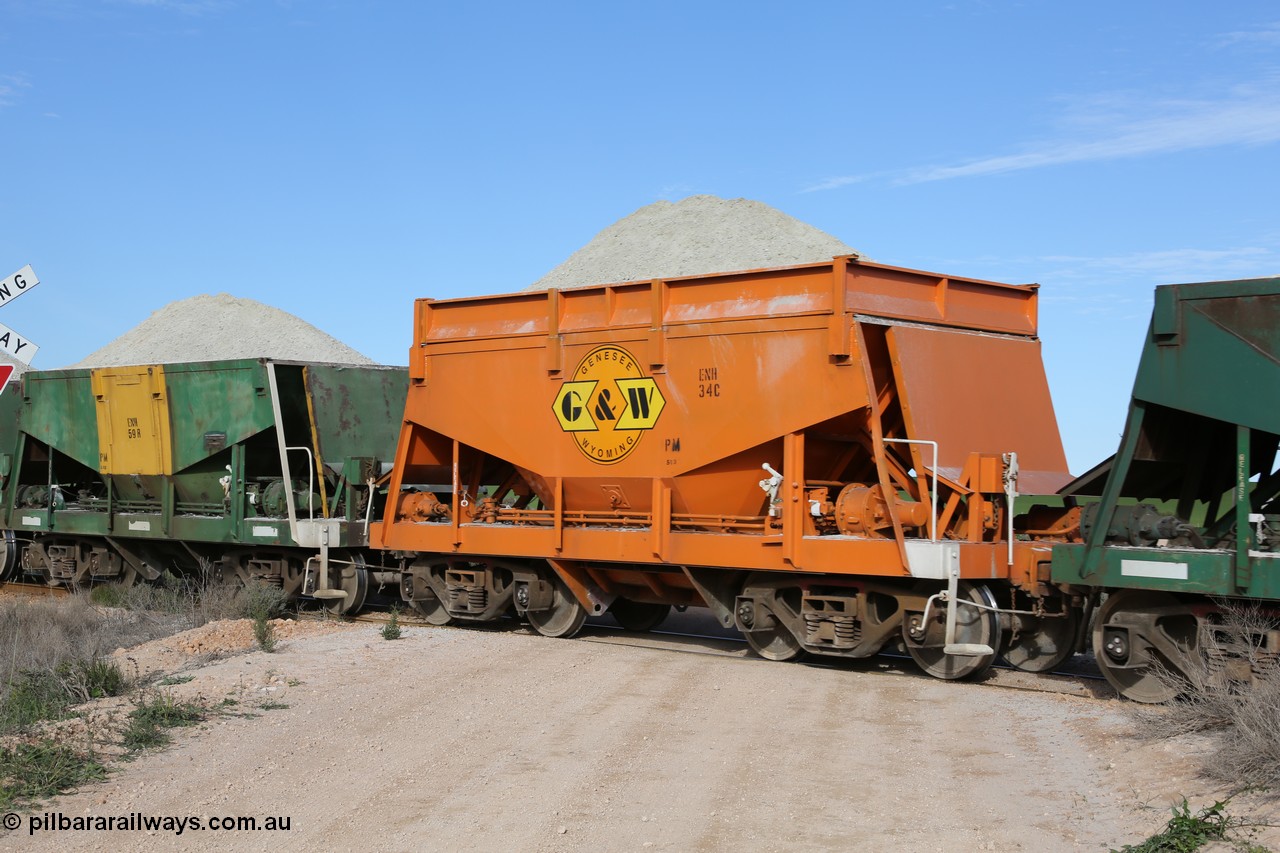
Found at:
(16, 346)
(12, 344)
(17, 284)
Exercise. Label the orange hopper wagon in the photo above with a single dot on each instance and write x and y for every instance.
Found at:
(824, 455)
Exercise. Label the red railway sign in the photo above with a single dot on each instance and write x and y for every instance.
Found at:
(6, 373)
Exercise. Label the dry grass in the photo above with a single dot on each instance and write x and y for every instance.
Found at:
(55, 656)
(176, 603)
(46, 635)
(1233, 695)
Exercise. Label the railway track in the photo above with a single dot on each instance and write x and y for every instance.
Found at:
(32, 590)
(696, 634)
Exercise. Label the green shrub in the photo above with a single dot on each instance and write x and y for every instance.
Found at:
(97, 679)
(30, 772)
(39, 695)
(262, 603)
(264, 633)
(391, 630)
(1186, 832)
(108, 595)
(153, 716)
(33, 697)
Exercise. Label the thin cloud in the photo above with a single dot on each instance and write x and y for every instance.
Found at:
(10, 87)
(1265, 35)
(1178, 264)
(1085, 281)
(834, 183)
(1249, 116)
(1119, 126)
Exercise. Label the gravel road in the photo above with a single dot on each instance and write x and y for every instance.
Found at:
(498, 739)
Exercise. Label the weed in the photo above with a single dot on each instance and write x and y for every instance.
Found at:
(391, 630)
(273, 706)
(96, 679)
(166, 711)
(153, 716)
(171, 680)
(265, 633)
(33, 697)
(189, 602)
(108, 595)
(38, 695)
(1186, 832)
(262, 603)
(34, 771)
(55, 657)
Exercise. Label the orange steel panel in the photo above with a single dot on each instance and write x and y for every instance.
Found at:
(915, 296)
(976, 393)
(826, 554)
(784, 291)
(724, 395)
(666, 398)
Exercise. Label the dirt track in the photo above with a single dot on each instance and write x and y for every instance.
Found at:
(498, 739)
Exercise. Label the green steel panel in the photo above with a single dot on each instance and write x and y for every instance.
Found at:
(1207, 572)
(59, 411)
(29, 519)
(357, 410)
(1214, 349)
(10, 407)
(228, 398)
(90, 523)
(1201, 420)
(266, 531)
(139, 526)
(189, 528)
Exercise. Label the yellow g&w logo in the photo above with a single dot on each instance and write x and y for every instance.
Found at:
(608, 404)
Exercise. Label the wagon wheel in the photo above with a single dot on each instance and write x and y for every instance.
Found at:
(768, 634)
(8, 556)
(352, 578)
(431, 609)
(638, 615)
(974, 626)
(563, 618)
(1042, 643)
(1146, 643)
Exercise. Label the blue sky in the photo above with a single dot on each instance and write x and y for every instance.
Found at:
(339, 159)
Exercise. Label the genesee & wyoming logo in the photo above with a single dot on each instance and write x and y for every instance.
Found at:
(608, 404)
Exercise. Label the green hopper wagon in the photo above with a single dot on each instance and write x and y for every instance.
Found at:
(253, 469)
